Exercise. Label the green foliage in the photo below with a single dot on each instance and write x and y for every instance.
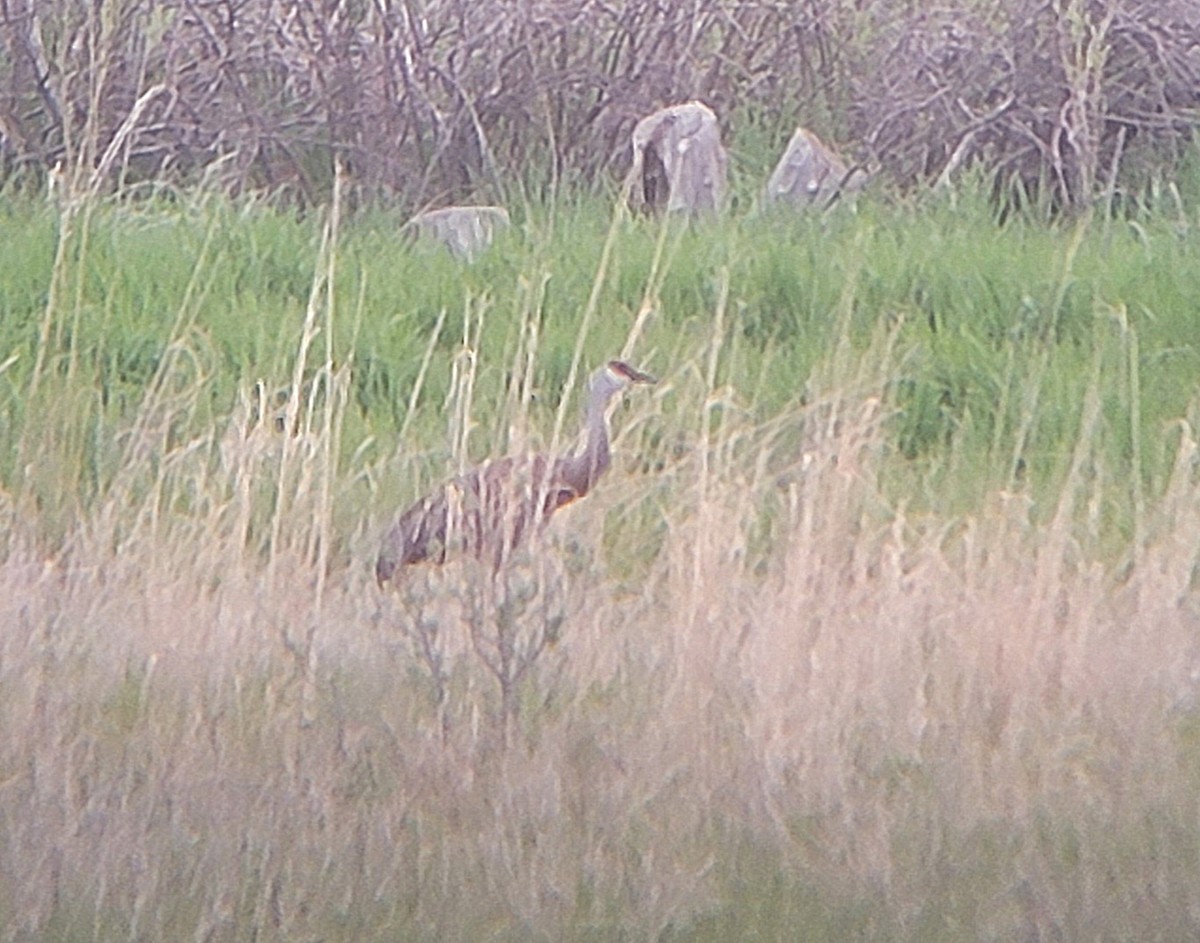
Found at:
(995, 325)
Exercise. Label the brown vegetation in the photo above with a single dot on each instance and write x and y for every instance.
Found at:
(1053, 94)
(932, 719)
(455, 99)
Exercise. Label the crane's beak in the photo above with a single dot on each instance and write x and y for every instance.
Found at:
(631, 374)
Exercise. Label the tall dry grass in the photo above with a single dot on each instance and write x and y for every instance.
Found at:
(765, 696)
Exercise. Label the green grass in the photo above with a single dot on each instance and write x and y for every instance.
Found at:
(882, 627)
(988, 317)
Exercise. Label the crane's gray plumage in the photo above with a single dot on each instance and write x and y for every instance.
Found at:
(488, 510)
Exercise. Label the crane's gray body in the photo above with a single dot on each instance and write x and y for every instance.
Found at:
(489, 510)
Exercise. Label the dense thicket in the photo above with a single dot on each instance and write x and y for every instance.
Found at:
(451, 99)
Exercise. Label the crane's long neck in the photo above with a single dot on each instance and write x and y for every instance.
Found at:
(596, 448)
(581, 471)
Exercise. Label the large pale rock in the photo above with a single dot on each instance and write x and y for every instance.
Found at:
(679, 164)
(810, 174)
(465, 230)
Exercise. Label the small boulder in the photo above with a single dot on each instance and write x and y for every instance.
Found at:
(465, 231)
(679, 164)
(810, 174)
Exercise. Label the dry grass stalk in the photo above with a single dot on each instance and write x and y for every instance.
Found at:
(890, 685)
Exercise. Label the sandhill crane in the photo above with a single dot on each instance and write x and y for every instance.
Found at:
(489, 509)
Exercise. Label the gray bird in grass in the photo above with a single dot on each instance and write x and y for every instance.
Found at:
(488, 510)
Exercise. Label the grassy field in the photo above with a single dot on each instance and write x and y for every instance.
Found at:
(884, 625)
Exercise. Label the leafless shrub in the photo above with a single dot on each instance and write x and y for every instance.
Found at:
(467, 622)
(451, 100)
(1045, 93)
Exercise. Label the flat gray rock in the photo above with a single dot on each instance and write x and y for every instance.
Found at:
(811, 174)
(465, 231)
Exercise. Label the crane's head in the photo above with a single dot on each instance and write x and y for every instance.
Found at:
(613, 377)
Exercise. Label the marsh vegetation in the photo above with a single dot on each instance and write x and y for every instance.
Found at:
(883, 625)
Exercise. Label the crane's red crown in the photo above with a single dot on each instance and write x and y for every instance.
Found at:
(626, 372)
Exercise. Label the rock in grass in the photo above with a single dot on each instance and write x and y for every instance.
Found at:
(679, 164)
(465, 231)
(811, 174)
